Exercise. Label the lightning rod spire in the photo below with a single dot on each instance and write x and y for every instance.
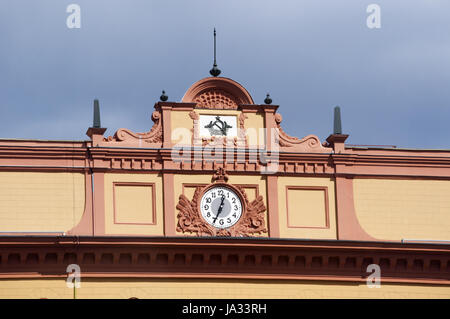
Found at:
(215, 70)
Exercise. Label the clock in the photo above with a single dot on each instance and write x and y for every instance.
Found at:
(221, 209)
(221, 206)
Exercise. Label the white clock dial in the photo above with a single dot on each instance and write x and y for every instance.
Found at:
(221, 207)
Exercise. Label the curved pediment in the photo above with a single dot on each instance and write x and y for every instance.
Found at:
(217, 93)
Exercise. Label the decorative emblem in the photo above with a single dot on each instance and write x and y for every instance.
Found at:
(218, 127)
(221, 209)
(220, 176)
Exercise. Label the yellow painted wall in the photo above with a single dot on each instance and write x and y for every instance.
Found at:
(180, 179)
(40, 202)
(197, 288)
(302, 212)
(35, 289)
(254, 125)
(181, 124)
(133, 205)
(403, 209)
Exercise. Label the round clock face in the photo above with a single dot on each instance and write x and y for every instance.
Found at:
(221, 207)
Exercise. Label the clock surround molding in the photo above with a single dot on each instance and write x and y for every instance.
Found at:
(252, 221)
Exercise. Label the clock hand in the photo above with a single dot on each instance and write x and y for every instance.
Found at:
(220, 209)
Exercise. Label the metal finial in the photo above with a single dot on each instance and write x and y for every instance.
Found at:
(337, 121)
(96, 123)
(215, 70)
(214, 46)
(163, 96)
(268, 100)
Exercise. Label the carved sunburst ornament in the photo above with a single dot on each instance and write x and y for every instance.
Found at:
(221, 209)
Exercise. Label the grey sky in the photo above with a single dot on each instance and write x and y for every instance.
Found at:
(392, 83)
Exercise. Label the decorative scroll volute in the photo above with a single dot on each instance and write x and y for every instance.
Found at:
(155, 135)
(310, 143)
(189, 219)
(251, 223)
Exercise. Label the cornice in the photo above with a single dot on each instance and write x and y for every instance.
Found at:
(43, 157)
(238, 258)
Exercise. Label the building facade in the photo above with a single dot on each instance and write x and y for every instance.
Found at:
(217, 201)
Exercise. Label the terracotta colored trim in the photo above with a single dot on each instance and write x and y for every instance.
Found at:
(58, 158)
(308, 144)
(86, 225)
(326, 203)
(179, 106)
(272, 204)
(337, 142)
(269, 108)
(163, 275)
(34, 143)
(136, 184)
(251, 223)
(270, 125)
(169, 205)
(254, 186)
(218, 83)
(402, 178)
(96, 135)
(403, 169)
(167, 126)
(34, 233)
(50, 157)
(99, 203)
(195, 185)
(348, 227)
(126, 138)
(234, 258)
(249, 108)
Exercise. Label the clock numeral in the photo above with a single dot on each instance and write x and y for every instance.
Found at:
(230, 209)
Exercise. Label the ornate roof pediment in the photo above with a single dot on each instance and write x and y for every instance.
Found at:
(217, 93)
